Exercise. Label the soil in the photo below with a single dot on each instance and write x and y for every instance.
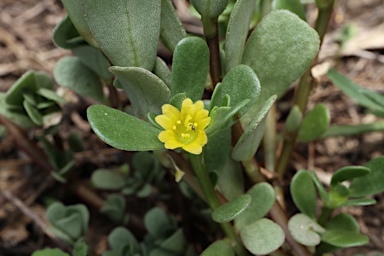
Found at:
(25, 44)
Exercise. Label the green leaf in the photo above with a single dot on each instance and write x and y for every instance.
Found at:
(303, 193)
(171, 28)
(66, 36)
(223, 117)
(371, 183)
(127, 32)
(175, 243)
(343, 221)
(349, 130)
(229, 211)
(50, 252)
(146, 92)
(305, 230)
(78, 19)
(219, 247)
(190, 67)
(105, 179)
(71, 225)
(320, 188)
(237, 32)
(359, 94)
(33, 113)
(262, 237)
(349, 173)
(263, 198)
(162, 71)
(123, 131)
(95, 60)
(50, 95)
(315, 123)
(249, 141)
(81, 249)
(358, 202)
(240, 83)
(120, 237)
(294, 119)
(157, 222)
(210, 8)
(279, 50)
(114, 208)
(343, 238)
(291, 5)
(18, 116)
(70, 72)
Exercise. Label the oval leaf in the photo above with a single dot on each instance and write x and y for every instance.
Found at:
(249, 141)
(343, 221)
(70, 72)
(146, 92)
(237, 32)
(343, 239)
(127, 32)
(190, 67)
(349, 173)
(210, 8)
(315, 123)
(303, 193)
(263, 198)
(227, 212)
(171, 29)
(219, 247)
(240, 83)
(281, 57)
(66, 36)
(123, 131)
(105, 179)
(371, 183)
(305, 230)
(262, 237)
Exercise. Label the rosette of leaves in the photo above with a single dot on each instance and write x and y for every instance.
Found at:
(147, 173)
(342, 230)
(69, 223)
(32, 101)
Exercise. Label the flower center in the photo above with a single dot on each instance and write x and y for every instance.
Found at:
(186, 131)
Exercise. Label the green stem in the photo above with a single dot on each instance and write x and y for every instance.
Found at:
(269, 140)
(213, 201)
(325, 215)
(303, 90)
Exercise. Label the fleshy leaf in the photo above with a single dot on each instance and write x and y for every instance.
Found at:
(105, 179)
(291, 5)
(50, 252)
(70, 72)
(249, 141)
(240, 83)
(219, 247)
(262, 237)
(237, 32)
(227, 212)
(304, 194)
(66, 36)
(349, 173)
(95, 60)
(294, 119)
(358, 202)
(123, 131)
(146, 92)
(162, 71)
(281, 57)
(371, 183)
(263, 198)
(315, 123)
(305, 230)
(190, 67)
(78, 19)
(210, 8)
(343, 239)
(171, 29)
(127, 32)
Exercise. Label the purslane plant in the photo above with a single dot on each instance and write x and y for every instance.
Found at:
(209, 114)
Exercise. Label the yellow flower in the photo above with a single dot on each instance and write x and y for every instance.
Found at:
(184, 129)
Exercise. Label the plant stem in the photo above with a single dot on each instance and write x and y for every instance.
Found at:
(303, 90)
(324, 216)
(212, 38)
(269, 140)
(213, 201)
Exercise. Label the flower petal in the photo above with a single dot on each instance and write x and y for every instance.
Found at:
(164, 122)
(193, 148)
(171, 112)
